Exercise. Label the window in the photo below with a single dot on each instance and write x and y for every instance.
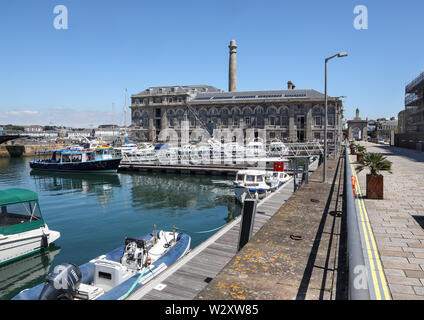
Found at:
(317, 121)
(284, 120)
(331, 120)
(235, 121)
(259, 179)
(272, 135)
(247, 121)
(250, 179)
(272, 121)
(240, 177)
(317, 135)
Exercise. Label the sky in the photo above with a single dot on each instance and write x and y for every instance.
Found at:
(78, 76)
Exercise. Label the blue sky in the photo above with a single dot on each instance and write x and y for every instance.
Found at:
(74, 76)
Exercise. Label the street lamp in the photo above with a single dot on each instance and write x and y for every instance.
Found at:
(339, 55)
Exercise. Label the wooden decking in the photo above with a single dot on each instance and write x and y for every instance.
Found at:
(185, 279)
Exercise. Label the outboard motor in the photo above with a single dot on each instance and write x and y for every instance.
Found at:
(62, 283)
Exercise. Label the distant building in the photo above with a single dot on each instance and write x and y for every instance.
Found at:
(289, 115)
(414, 105)
(358, 128)
(386, 127)
(34, 128)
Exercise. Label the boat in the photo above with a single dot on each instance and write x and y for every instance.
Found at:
(77, 159)
(23, 230)
(251, 184)
(128, 147)
(278, 149)
(276, 179)
(115, 275)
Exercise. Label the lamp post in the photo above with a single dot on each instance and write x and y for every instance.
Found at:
(339, 55)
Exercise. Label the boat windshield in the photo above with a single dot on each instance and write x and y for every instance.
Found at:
(250, 179)
(259, 179)
(240, 177)
(18, 213)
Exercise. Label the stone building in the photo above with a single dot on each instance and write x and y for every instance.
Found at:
(289, 115)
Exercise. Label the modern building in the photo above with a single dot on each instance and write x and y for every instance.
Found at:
(414, 105)
(289, 115)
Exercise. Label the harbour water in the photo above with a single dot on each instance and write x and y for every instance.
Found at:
(94, 213)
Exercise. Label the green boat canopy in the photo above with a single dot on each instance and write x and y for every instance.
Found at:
(16, 195)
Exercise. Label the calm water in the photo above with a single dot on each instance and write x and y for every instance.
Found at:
(94, 213)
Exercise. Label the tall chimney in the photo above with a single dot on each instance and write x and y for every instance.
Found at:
(290, 85)
(232, 76)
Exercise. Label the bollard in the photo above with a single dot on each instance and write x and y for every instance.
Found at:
(307, 170)
(247, 221)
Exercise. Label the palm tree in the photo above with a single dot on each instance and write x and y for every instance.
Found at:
(376, 162)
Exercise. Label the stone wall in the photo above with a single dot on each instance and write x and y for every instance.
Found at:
(410, 140)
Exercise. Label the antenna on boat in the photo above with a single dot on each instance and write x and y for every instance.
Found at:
(173, 231)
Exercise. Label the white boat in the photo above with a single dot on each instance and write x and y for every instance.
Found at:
(276, 179)
(251, 184)
(128, 147)
(115, 275)
(278, 149)
(22, 228)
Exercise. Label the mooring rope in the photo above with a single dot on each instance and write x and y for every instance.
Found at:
(134, 284)
(206, 231)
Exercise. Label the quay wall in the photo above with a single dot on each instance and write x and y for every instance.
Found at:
(299, 254)
(15, 148)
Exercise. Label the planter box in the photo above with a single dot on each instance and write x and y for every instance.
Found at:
(359, 157)
(352, 151)
(375, 187)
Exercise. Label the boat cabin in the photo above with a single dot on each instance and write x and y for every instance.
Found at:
(250, 177)
(19, 211)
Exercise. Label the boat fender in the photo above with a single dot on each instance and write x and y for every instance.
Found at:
(44, 241)
(260, 189)
(149, 261)
(252, 190)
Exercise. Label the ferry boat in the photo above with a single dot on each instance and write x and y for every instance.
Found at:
(251, 184)
(77, 159)
(22, 227)
(115, 275)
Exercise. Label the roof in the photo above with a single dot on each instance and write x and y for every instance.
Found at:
(254, 95)
(177, 89)
(16, 195)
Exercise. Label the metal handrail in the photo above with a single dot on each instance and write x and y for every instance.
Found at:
(354, 246)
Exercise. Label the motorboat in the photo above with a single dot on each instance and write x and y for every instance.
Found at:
(278, 149)
(276, 179)
(251, 184)
(115, 275)
(77, 159)
(23, 230)
(128, 147)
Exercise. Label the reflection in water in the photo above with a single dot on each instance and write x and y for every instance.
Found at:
(98, 184)
(25, 273)
(94, 213)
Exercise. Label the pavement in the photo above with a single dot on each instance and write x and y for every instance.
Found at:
(398, 221)
(299, 254)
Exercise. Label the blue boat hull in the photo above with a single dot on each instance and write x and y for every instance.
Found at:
(109, 165)
(181, 247)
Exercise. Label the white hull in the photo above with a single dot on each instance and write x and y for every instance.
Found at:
(22, 244)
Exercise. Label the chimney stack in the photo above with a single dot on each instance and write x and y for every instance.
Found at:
(290, 85)
(232, 76)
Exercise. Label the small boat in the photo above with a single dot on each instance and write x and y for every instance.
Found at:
(251, 184)
(22, 228)
(77, 159)
(276, 179)
(115, 275)
(128, 147)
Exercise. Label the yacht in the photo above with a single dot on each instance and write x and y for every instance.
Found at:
(23, 230)
(276, 179)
